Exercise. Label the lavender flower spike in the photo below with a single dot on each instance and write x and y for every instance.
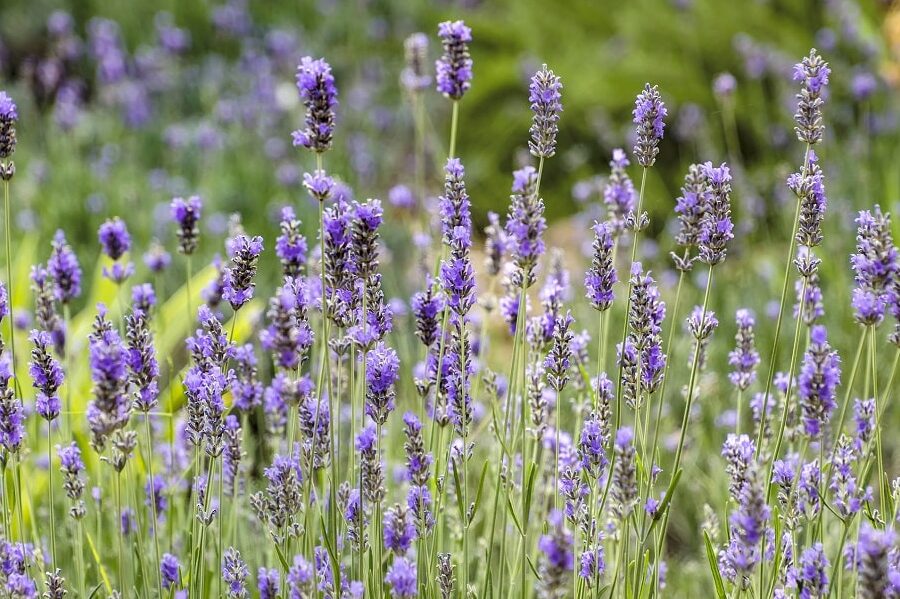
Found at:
(601, 276)
(186, 214)
(170, 570)
(64, 269)
(319, 94)
(544, 95)
(875, 265)
(115, 242)
(649, 117)
(817, 384)
(525, 225)
(716, 226)
(235, 573)
(454, 68)
(401, 578)
(744, 358)
(813, 74)
(618, 193)
(414, 76)
(382, 371)
(239, 276)
(9, 114)
(46, 374)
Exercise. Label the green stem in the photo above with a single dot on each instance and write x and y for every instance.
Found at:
(454, 122)
(9, 282)
(50, 494)
(153, 501)
(784, 287)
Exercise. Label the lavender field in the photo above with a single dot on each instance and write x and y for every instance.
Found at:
(395, 300)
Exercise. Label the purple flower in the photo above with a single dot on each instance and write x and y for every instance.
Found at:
(109, 411)
(691, 207)
(544, 96)
(46, 374)
(239, 276)
(382, 372)
(155, 493)
(12, 416)
(64, 269)
(8, 116)
(812, 73)
(624, 482)
(748, 528)
(454, 68)
(557, 560)
(864, 421)
(414, 76)
(186, 214)
(601, 276)
(398, 529)
(114, 238)
(817, 384)
(525, 225)
(4, 302)
(170, 570)
(591, 446)
(809, 187)
(593, 564)
(401, 578)
(268, 583)
(559, 358)
(142, 363)
(367, 217)
(744, 358)
(618, 193)
(319, 94)
(401, 197)
(724, 85)
(319, 185)
(649, 117)
(716, 226)
(291, 247)
(157, 259)
(455, 207)
(875, 265)
(426, 307)
(235, 573)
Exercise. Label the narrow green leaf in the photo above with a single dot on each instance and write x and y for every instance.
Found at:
(714, 567)
(533, 569)
(512, 512)
(484, 471)
(459, 497)
(529, 490)
(281, 557)
(97, 561)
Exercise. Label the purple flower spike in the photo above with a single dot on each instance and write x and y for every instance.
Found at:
(319, 94)
(239, 276)
(401, 578)
(716, 226)
(875, 265)
(618, 193)
(186, 214)
(64, 269)
(812, 73)
(544, 95)
(170, 570)
(649, 117)
(525, 225)
(415, 76)
(8, 116)
(601, 276)
(454, 68)
(817, 384)
(46, 374)
(114, 238)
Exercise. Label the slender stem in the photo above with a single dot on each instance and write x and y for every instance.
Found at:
(50, 493)
(873, 355)
(153, 501)
(784, 287)
(9, 282)
(454, 123)
(634, 244)
(119, 535)
(67, 353)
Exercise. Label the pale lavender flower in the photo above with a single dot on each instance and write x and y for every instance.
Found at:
(544, 95)
(454, 68)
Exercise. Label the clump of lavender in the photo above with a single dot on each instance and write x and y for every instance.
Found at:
(116, 242)
(239, 277)
(291, 247)
(748, 528)
(372, 470)
(186, 214)
(649, 117)
(45, 314)
(544, 95)
(426, 307)
(64, 269)
(399, 531)
(315, 83)
(415, 76)
(525, 225)
(874, 549)
(46, 374)
(817, 384)
(875, 265)
(282, 499)
(289, 335)
(454, 67)
(813, 74)
(618, 193)
(559, 359)
(601, 276)
(716, 225)
(557, 558)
